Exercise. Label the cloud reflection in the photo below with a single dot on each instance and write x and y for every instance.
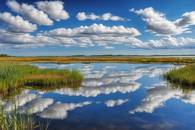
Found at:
(19, 100)
(113, 103)
(158, 95)
(60, 110)
(99, 80)
(36, 105)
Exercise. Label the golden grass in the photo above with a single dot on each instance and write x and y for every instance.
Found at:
(85, 59)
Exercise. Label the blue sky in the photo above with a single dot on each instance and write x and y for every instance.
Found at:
(90, 27)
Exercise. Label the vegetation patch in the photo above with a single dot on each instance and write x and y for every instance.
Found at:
(184, 77)
(16, 121)
(14, 76)
(91, 59)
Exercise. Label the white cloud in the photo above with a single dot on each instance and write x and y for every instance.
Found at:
(96, 35)
(30, 12)
(158, 23)
(85, 36)
(187, 19)
(106, 17)
(24, 39)
(95, 29)
(17, 23)
(172, 42)
(55, 9)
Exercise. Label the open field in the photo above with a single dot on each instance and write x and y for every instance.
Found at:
(87, 59)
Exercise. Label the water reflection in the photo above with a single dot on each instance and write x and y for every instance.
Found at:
(158, 95)
(113, 103)
(60, 110)
(112, 96)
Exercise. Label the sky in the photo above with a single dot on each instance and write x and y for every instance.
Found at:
(97, 27)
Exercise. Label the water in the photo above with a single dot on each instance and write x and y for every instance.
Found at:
(113, 96)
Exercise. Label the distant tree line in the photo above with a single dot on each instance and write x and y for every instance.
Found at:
(4, 55)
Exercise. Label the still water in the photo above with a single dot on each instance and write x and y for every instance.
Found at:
(113, 96)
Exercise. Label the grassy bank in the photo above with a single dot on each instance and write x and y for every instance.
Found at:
(14, 76)
(90, 59)
(184, 76)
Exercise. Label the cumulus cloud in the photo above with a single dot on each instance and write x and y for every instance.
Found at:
(30, 12)
(86, 36)
(187, 19)
(55, 9)
(17, 23)
(95, 29)
(106, 17)
(24, 40)
(159, 24)
(172, 42)
(18, 32)
(96, 34)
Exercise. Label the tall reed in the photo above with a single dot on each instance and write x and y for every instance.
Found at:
(14, 121)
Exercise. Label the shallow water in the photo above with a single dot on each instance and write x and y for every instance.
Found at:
(113, 96)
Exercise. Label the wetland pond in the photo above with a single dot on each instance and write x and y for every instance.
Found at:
(113, 96)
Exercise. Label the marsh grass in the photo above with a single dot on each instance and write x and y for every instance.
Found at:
(14, 76)
(16, 121)
(182, 77)
(92, 59)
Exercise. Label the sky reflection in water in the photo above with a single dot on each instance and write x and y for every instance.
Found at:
(113, 96)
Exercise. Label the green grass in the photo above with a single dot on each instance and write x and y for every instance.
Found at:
(15, 121)
(14, 76)
(184, 77)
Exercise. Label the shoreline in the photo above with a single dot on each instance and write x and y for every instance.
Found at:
(95, 59)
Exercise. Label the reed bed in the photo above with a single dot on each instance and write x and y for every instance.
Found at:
(184, 76)
(14, 76)
(16, 121)
(90, 59)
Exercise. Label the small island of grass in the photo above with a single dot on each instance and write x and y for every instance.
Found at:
(14, 76)
(184, 76)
